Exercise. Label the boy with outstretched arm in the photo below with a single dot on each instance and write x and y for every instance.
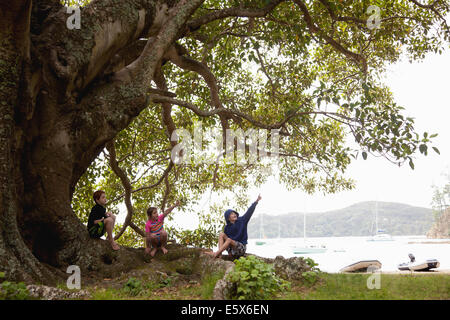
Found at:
(234, 236)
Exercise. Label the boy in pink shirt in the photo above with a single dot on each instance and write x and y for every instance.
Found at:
(154, 228)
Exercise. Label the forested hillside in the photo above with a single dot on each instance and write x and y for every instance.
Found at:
(356, 220)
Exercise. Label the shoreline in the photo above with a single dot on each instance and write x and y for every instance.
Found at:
(399, 272)
(429, 242)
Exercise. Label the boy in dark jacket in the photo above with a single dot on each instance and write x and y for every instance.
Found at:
(234, 236)
(100, 221)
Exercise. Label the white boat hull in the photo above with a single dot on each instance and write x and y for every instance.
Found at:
(300, 250)
(381, 237)
(362, 266)
(419, 266)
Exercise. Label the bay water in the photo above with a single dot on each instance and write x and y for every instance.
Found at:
(343, 251)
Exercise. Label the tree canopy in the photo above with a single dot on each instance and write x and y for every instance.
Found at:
(311, 69)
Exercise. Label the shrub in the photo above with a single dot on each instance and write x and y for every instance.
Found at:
(13, 291)
(255, 279)
(312, 275)
(200, 237)
(133, 287)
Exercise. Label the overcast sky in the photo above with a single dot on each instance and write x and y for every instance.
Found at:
(423, 89)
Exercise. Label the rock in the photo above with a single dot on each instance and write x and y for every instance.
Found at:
(291, 268)
(223, 287)
(50, 293)
(162, 274)
(184, 266)
(288, 269)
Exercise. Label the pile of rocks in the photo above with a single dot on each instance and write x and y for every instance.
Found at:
(288, 269)
(50, 293)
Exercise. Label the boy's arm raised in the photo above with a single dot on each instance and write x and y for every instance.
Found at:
(250, 210)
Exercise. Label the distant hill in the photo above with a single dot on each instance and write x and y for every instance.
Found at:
(356, 220)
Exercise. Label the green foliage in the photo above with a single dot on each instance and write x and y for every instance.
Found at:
(270, 68)
(313, 274)
(133, 287)
(310, 262)
(208, 284)
(166, 282)
(130, 238)
(75, 3)
(392, 287)
(441, 197)
(205, 235)
(12, 290)
(200, 237)
(255, 279)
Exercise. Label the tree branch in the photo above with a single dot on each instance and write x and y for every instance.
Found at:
(233, 12)
(143, 68)
(358, 58)
(114, 104)
(204, 113)
(125, 183)
(175, 55)
(79, 56)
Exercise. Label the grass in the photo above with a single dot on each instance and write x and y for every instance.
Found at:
(136, 289)
(391, 287)
(327, 287)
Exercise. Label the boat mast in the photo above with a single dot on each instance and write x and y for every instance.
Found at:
(304, 226)
(261, 227)
(376, 217)
(279, 228)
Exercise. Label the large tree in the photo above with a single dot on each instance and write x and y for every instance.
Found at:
(309, 68)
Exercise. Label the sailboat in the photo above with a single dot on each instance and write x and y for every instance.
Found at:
(261, 233)
(308, 248)
(380, 235)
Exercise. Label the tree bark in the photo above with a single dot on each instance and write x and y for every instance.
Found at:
(64, 94)
(15, 257)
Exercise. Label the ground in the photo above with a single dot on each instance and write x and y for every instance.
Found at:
(190, 274)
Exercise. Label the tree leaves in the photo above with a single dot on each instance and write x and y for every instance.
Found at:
(436, 150)
(271, 68)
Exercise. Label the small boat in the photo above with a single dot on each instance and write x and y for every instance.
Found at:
(305, 249)
(309, 249)
(362, 266)
(260, 243)
(381, 236)
(414, 265)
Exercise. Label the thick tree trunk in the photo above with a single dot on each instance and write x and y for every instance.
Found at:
(15, 257)
(61, 101)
